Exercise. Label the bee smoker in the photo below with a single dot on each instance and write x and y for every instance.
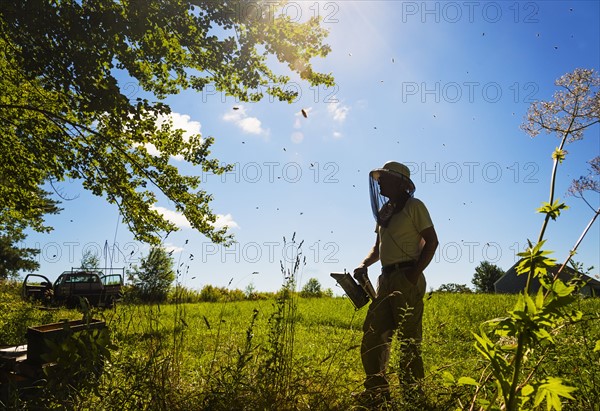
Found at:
(366, 285)
(359, 293)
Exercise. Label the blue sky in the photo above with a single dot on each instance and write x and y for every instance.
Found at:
(440, 86)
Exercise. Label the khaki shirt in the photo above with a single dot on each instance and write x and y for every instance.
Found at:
(400, 241)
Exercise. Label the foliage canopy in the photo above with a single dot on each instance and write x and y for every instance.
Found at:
(154, 276)
(13, 259)
(454, 288)
(64, 114)
(486, 274)
(90, 260)
(312, 288)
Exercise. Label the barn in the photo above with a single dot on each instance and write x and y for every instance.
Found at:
(511, 283)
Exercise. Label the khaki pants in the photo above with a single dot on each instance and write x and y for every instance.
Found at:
(398, 308)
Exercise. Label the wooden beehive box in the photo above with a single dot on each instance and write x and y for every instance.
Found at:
(38, 337)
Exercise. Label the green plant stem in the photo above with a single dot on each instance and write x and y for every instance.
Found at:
(552, 188)
(554, 170)
(512, 397)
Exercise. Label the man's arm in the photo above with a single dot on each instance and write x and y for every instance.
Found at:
(430, 239)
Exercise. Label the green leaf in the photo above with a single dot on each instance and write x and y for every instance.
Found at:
(534, 260)
(543, 334)
(551, 390)
(448, 378)
(484, 345)
(531, 306)
(539, 298)
(467, 381)
(553, 210)
(527, 390)
(562, 290)
(597, 347)
(525, 395)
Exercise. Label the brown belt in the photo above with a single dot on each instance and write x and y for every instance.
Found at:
(397, 266)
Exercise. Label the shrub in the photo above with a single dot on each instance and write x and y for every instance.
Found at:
(311, 289)
(454, 288)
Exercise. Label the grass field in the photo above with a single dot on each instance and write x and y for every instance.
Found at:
(293, 354)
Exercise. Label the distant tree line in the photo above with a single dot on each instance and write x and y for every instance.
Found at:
(486, 274)
(152, 281)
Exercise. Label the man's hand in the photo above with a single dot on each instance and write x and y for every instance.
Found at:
(360, 273)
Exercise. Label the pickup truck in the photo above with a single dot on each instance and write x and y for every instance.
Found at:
(100, 290)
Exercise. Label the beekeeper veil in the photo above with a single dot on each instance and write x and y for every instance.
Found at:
(396, 177)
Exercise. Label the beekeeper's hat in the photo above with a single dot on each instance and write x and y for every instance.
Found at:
(395, 169)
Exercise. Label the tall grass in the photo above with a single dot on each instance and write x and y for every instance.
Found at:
(293, 353)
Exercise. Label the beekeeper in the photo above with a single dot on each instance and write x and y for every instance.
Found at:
(405, 244)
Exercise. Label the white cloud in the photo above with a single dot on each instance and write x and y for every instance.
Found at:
(225, 221)
(180, 122)
(173, 216)
(173, 248)
(337, 134)
(152, 150)
(337, 111)
(180, 221)
(249, 125)
(183, 121)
